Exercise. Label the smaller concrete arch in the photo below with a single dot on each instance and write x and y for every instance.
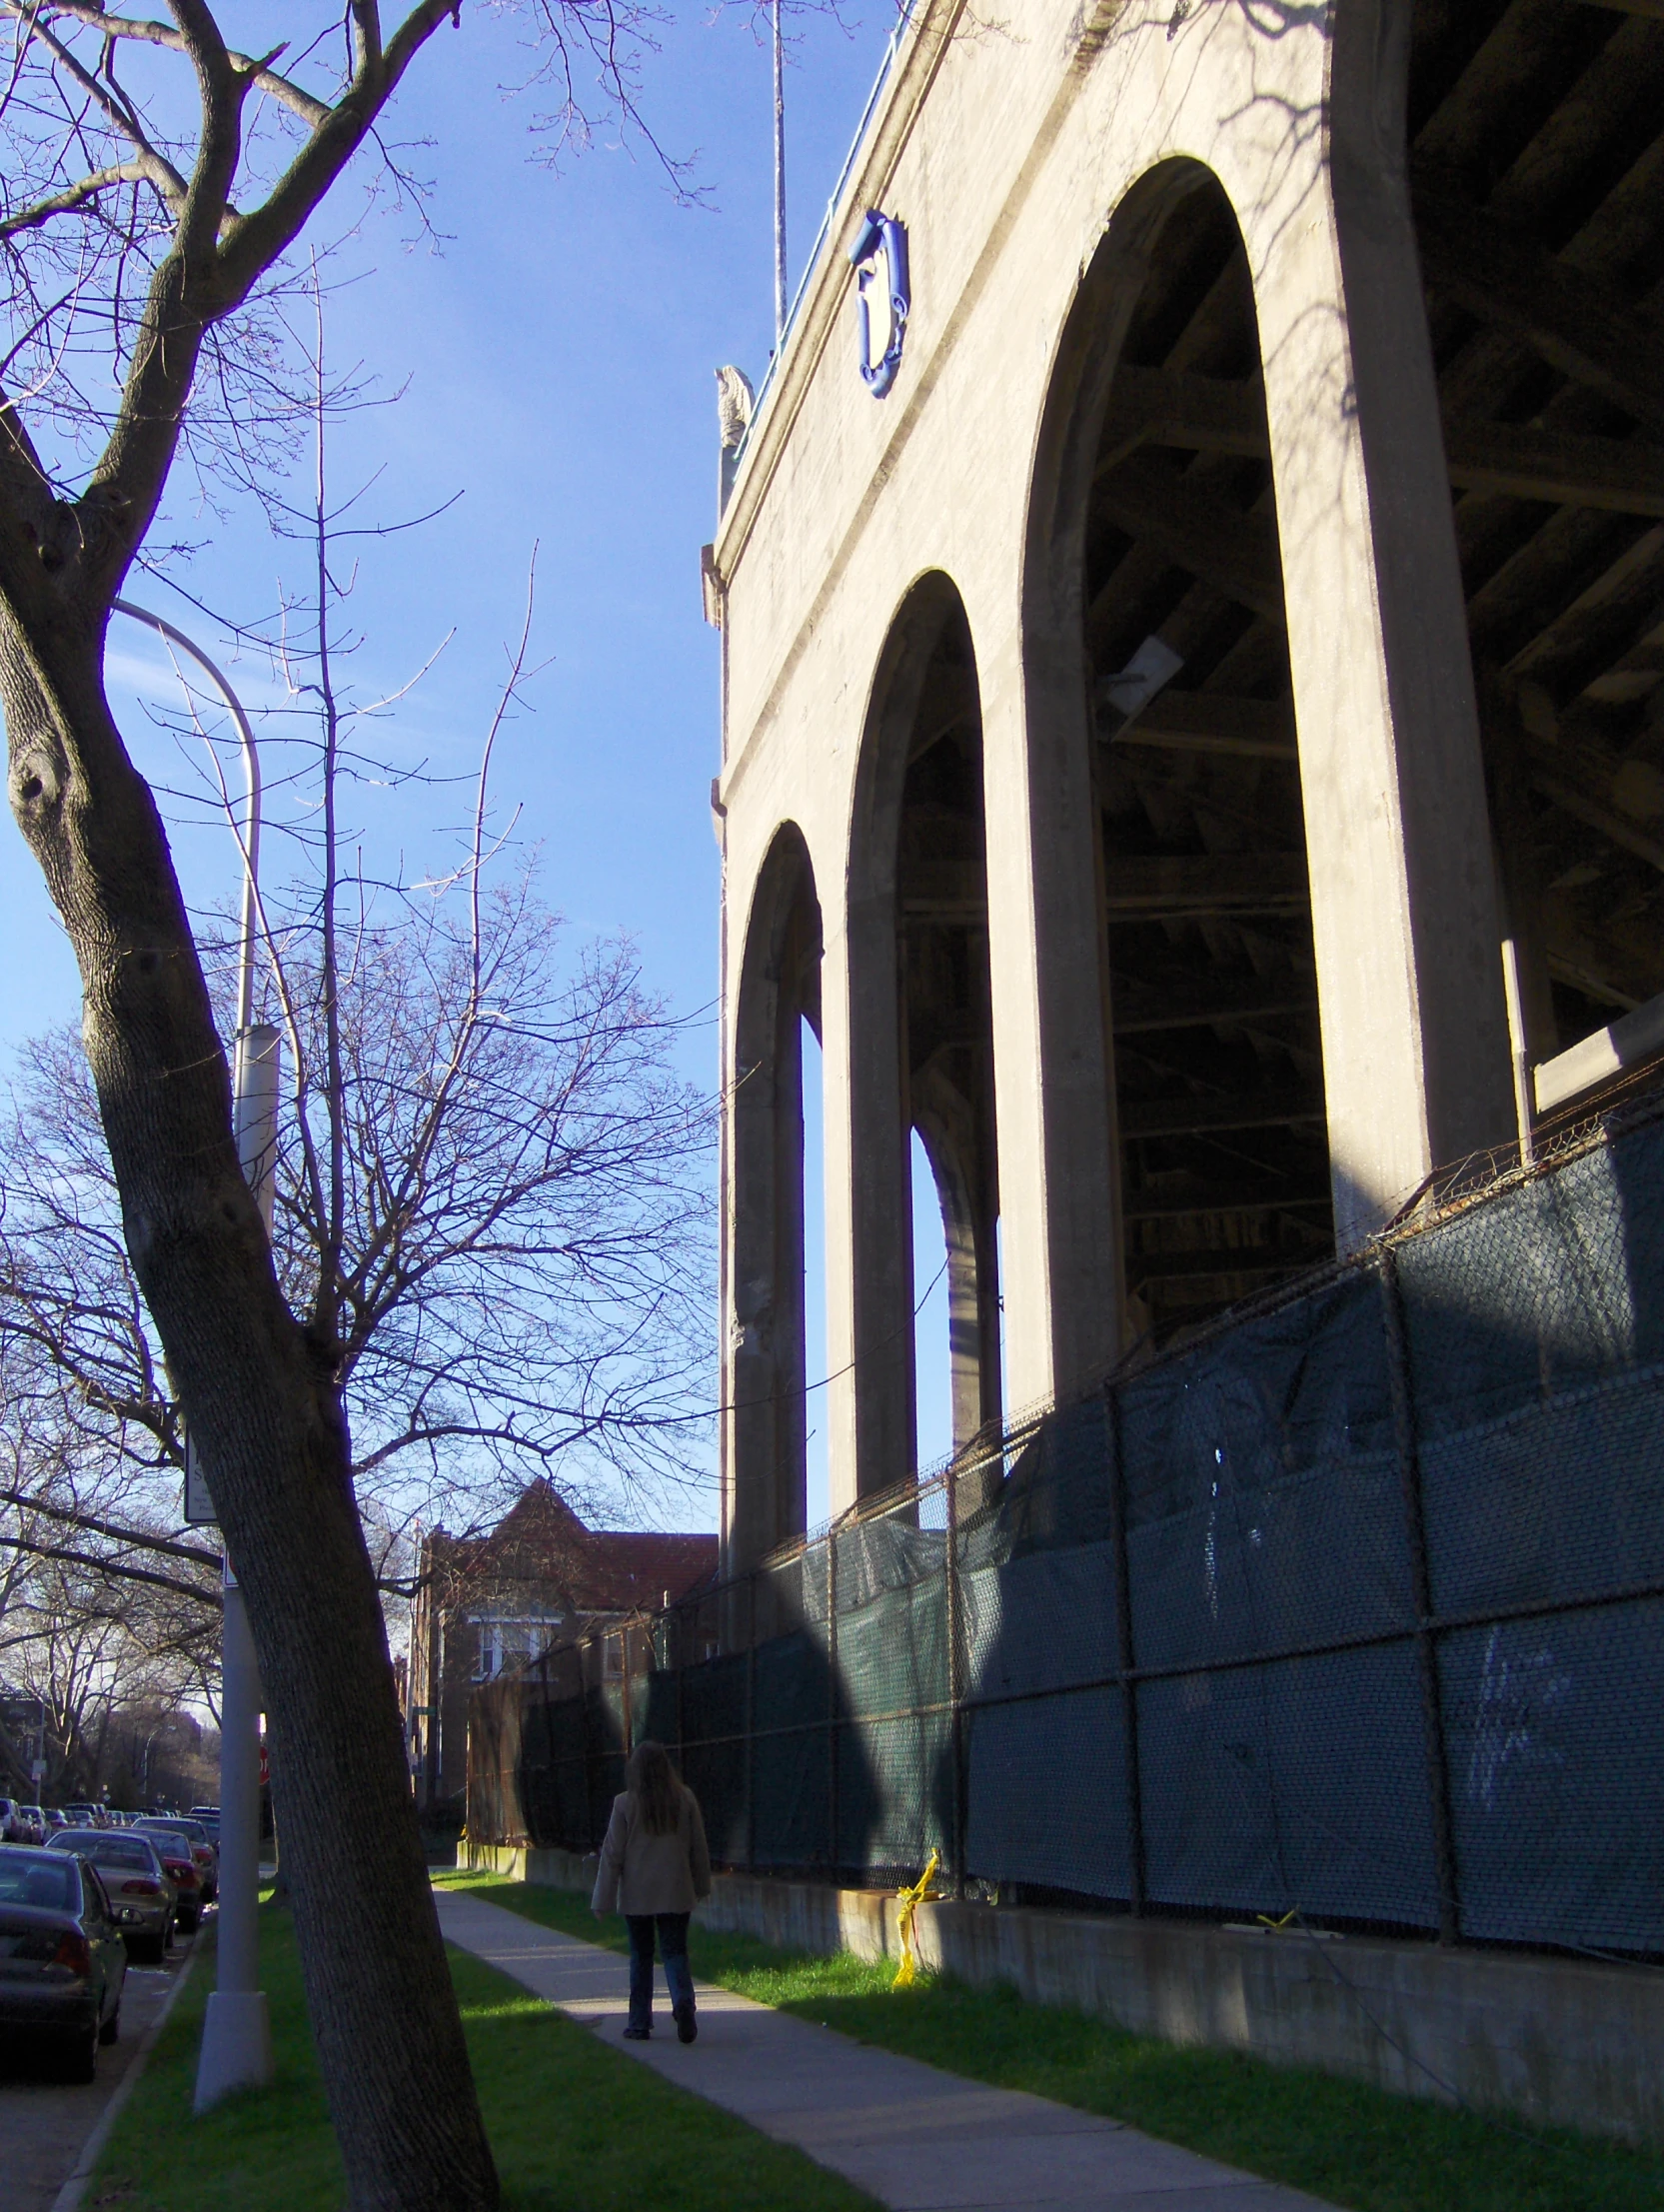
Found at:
(921, 1036)
(764, 1498)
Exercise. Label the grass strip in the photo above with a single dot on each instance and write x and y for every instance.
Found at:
(1358, 2146)
(574, 2127)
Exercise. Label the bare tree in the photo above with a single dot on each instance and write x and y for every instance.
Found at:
(143, 238)
(501, 1211)
(82, 1627)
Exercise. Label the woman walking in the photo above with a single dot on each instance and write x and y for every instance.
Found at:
(653, 1868)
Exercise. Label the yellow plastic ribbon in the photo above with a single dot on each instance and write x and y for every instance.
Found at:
(909, 1901)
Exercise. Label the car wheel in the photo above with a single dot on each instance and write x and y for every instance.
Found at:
(82, 2062)
(110, 2032)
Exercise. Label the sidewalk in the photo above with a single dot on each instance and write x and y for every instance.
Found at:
(912, 2138)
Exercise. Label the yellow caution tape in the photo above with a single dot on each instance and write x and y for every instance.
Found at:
(909, 1901)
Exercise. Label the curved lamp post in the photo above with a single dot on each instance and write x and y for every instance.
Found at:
(237, 2034)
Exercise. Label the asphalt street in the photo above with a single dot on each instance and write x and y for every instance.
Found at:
(43, 2120)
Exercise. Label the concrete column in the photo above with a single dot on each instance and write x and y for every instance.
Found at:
(1415, 1054)
(838, 1202)
(1054, 1086)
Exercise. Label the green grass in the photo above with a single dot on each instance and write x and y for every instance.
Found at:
(574, 2127)
(1354, 2145)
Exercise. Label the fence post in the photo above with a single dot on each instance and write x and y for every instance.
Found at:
(589, 1766)
(676, 1649)
(1427, 1647)
(751, 1726)
(955, 1683)
(1126, 1656)
(832, 1697)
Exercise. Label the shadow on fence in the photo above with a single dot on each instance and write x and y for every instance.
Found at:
(1354, 1607)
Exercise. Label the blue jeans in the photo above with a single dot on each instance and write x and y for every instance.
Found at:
(673, 1948)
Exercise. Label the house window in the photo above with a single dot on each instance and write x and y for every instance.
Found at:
(507, 1643)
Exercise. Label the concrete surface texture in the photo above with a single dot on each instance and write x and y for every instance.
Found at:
(908, 2134)
(44, 2121)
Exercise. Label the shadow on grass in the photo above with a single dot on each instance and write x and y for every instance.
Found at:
(574, 2127)
(1359, 2147)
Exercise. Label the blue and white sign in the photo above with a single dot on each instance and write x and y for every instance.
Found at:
(881, 235)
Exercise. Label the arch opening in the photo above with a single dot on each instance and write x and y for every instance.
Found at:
(765, 1501)
(1164, 590)
(1535, 214)
(921, 1032)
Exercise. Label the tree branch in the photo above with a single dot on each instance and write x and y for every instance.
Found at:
(74, 197)
(72, 1518)
(259, 73)
(210, 1598)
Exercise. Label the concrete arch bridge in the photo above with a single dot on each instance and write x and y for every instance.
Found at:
(1225, 615)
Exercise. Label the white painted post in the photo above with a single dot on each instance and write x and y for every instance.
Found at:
(237, 2032)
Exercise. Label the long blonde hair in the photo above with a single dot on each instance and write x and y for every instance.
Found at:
(652, 1781)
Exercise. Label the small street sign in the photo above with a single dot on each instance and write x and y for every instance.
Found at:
(199, 1506)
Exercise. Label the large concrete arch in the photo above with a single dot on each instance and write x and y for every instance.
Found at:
(765, 1501)
(1078, 1150)
(1397, 840)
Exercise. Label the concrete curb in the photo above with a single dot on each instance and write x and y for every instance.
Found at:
(73, 2189)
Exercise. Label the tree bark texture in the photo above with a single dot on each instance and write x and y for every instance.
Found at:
(264, 1406)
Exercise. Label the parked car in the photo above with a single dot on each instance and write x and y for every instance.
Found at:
(35, 1818)
(193, 1837)
(62, 1960)
(56, 1818)
(141, 1889)
(185, 1877)
(84, 1813)
(14, 1828)
(209, 1815)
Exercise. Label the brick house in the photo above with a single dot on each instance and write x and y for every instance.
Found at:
(484, 1605)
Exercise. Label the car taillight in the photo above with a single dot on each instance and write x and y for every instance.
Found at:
(141, 1887)
(72, 1951)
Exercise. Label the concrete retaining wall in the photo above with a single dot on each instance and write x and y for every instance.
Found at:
(1556, 2041)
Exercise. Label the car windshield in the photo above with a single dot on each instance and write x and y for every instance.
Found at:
(191, 1830)
(106, 1850)
(28, 1878)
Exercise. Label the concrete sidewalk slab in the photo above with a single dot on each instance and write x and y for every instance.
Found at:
(912, 2138)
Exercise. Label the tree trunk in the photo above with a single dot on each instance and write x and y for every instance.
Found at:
(265, 1412)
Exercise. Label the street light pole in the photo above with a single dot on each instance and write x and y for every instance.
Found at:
(237, 2034)
(780, 184)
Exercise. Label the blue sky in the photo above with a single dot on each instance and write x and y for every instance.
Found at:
(556, 352)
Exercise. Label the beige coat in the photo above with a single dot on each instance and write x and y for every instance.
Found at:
(653, 1873)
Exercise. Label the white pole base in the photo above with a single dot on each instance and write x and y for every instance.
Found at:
(236, 2046)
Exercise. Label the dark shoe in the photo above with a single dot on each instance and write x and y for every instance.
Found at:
(637, 2035)
(687, 2027)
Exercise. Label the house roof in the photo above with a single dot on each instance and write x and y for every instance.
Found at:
(542, 1548)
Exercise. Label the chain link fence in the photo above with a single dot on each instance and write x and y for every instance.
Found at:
(1353, 1607)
